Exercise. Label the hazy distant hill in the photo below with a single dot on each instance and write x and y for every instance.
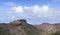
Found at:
(21, 27)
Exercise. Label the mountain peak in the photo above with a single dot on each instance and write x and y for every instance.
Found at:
(19, 22)
(22, 20)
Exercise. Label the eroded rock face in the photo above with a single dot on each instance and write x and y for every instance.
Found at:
(19, 22)
(22, 20)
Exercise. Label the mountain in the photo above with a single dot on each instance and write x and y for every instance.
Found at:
(18, 27)
(48, 28)
(21, 27)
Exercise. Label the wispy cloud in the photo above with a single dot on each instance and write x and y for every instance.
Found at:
(33, 11)
(18, 9)
(1, 8)
(48, 9)
(30, 12)
(10, 3)
(56, 0)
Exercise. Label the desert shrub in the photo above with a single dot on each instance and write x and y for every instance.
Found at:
(56, 33)
(4, 31)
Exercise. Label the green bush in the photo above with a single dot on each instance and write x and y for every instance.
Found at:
(56, 33)
(4, 31)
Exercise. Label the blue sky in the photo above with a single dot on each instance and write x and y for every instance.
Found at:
(34, 11)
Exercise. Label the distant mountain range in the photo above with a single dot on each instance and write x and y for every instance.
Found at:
(21, 27)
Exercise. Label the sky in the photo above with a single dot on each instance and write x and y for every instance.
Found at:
(34, 11)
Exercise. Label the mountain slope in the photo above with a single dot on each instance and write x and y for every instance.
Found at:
(49, 28)
(20, 27)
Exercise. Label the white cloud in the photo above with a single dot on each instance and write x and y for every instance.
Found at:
(36, 9)
(30, 12)
(41, 11)
(45, 8)
(33, 11)
(10, 3)
(18, 9)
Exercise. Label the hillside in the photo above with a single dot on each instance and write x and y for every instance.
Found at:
(48, 28)
(18, 27)
(21, 27)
